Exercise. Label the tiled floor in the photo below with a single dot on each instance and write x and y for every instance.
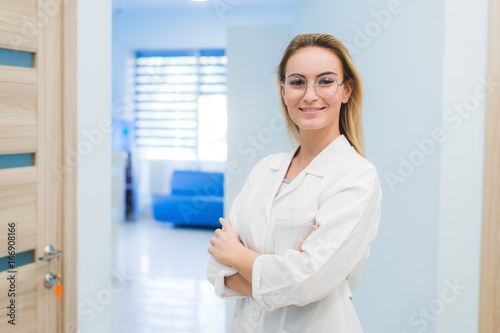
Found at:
(169, 291)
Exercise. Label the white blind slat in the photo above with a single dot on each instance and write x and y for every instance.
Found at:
(180, 104)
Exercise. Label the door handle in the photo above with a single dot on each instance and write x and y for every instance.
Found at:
(51, 253)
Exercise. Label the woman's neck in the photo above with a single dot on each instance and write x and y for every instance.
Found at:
(312, 142)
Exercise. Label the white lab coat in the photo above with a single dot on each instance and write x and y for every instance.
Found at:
(308, 291)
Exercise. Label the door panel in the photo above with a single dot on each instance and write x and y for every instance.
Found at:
(18, 100)
(31, 121)
(18, 25)
(18, 189)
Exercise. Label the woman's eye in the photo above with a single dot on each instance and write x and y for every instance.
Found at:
(296, 82)
(326, 81)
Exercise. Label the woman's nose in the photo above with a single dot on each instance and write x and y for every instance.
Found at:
(311, 94)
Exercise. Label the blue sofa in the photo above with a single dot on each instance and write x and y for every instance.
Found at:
(197, 199)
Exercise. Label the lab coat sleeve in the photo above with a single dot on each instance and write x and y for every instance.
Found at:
(217, 271)
(348, 220)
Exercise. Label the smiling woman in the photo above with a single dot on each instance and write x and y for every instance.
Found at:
(317, 56)
(298, 234)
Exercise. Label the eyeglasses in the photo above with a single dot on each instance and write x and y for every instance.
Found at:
(325, 85)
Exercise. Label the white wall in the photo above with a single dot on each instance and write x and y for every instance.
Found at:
(462, 156)
(94, 172)
(401, 56)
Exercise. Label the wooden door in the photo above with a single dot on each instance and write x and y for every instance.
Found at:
(489, 305)
(36, 208)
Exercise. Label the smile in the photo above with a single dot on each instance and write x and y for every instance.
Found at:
(310, 111)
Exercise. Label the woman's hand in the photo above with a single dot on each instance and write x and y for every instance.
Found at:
(225, 244)
(301, 241)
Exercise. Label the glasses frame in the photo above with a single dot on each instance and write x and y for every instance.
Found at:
(315, 85)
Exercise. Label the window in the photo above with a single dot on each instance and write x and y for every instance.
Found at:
(181, 105)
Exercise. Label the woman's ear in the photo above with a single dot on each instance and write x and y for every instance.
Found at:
(348, 87)
(283, 95)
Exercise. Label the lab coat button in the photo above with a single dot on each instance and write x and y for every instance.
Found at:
(252, 308)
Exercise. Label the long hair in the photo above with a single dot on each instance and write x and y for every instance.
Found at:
(350, 122)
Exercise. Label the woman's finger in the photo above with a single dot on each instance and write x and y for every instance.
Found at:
(299, 248)
(315, 227)
(226, 224)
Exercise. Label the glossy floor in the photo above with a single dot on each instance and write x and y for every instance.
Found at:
(168, 290)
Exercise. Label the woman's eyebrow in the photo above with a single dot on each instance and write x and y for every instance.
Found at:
(324, 73)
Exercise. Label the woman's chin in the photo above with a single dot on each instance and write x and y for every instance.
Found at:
(311, 124)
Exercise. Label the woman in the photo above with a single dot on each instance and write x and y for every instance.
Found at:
(300, 230)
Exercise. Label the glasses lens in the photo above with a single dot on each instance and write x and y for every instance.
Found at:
(326, 85)
(295, 86)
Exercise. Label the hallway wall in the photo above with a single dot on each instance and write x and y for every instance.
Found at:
(94, 171)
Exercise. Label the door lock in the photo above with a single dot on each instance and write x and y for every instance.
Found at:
(50, 280)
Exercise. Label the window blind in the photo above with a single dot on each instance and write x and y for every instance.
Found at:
(181, 104)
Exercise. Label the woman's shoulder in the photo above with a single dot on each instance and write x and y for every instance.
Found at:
(356, 168)
(274, 160)
(358, 162)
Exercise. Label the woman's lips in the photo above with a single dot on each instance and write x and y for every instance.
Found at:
(310, 111)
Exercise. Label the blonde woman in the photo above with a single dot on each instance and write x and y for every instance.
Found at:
(299, 233)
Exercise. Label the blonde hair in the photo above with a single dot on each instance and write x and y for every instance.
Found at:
(350, 122)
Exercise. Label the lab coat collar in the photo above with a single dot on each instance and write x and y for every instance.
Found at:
(320, 165)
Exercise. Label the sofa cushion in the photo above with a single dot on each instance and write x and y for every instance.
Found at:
(197, 183)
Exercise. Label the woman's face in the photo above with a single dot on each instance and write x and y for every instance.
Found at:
(312, 111)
